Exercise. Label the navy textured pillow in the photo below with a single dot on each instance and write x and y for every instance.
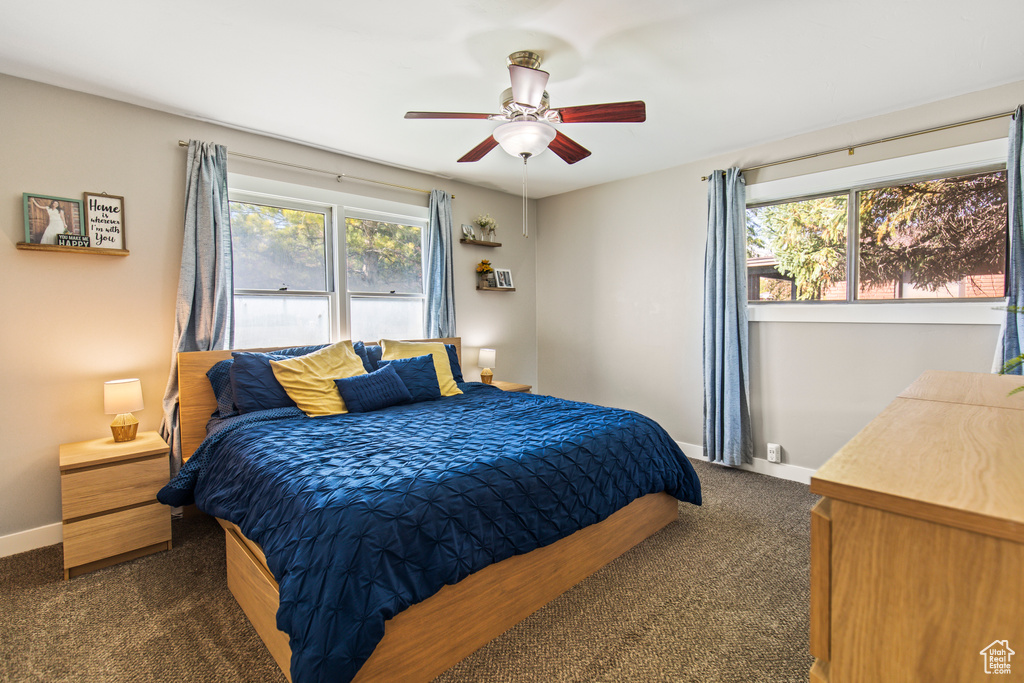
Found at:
(419, 376)
(220, 379)
(254, 384)
(453, 358)
(376, 390)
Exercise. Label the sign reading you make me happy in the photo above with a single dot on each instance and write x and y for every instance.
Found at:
(104, 219)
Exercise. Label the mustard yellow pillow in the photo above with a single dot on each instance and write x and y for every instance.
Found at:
(393, 350)
(309, 379)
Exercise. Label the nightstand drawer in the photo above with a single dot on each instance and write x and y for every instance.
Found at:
(108, 487)
(97, 538)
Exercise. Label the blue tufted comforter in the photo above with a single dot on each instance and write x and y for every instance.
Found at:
(363, 515)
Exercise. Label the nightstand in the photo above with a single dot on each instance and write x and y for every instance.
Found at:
(108, 496)
(512, 386)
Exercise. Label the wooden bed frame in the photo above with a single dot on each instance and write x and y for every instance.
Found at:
(431, 636)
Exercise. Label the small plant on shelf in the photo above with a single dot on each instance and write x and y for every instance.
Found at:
(487, 226)
(485, 271)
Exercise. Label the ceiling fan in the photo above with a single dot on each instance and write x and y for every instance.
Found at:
(528, 118)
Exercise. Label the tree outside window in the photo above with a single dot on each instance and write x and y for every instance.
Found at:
(932, 239)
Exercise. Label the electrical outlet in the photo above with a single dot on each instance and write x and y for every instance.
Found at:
(774, 452)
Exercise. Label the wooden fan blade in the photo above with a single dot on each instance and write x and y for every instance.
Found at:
(478, 152)
(527, 85)
(444, 115)
(612, 112)
(568, 149)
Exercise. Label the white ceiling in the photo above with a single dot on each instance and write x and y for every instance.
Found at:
(716, 76)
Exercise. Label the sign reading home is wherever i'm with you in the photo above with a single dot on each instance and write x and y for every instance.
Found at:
(104, 220)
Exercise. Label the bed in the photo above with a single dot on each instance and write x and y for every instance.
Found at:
(433, 622)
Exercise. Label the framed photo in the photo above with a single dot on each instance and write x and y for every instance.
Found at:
(468, 232)
(104, 220)
(503, 277)
(47, 218)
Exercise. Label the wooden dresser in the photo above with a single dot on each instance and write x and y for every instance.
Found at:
(917, 549)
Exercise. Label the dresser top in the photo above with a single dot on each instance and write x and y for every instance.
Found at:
(105, 451)
(949, 449)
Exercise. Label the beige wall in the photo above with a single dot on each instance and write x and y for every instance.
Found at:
(73, 321)
(625, 328)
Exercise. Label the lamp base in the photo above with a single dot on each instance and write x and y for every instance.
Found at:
(486, 376)
(124, 427)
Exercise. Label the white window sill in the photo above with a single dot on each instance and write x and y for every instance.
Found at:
(931, 313)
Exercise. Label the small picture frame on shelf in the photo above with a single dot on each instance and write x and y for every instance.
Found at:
(104, 220)
(468, 232)
(503, 278)
(47, 218)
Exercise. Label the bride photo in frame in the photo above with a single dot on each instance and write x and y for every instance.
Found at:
(46, 217)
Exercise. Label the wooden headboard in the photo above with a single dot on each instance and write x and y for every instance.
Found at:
(195, 395)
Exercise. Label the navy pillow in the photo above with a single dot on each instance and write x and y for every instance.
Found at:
(373, 354)
(453, 359)
(419, 376)
(360, 349)
(376, 390)
(220, 379)
(253, 381)
(254, 384)
(293, 351)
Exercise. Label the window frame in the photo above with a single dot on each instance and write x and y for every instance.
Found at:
(805, 198)
(386, 217)
(330, 212)
(269, 192)
(984, 157)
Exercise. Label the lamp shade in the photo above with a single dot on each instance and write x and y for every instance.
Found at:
(524, 137)
(487, 358)
(122, 396)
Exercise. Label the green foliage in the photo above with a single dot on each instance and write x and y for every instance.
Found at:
(384, 257)
(930, 233)
(274, 248)
(807, 239)
(1013, 363)
(937, 231)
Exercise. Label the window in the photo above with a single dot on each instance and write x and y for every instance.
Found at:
(291, 266)
(938, 238)
(384, 267)
(797, 250)
(283, 287)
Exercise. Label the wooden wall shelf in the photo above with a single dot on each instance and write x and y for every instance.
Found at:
(28, 246)
(496, 289)
(480, 243)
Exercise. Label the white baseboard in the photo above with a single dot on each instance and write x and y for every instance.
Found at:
(30, 539)
(779, 470)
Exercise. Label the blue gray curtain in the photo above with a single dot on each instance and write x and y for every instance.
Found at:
(727, 436)
(1011, 341)
(440, 318)
(205, 315)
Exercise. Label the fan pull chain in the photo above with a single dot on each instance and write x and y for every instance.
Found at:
(526, 231)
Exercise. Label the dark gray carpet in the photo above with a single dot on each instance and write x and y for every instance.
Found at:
(722, 595)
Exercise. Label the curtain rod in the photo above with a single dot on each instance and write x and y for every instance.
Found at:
(339, 176)
(849, 149)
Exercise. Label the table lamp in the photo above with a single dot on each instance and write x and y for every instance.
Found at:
(121, 397)
(486, 361)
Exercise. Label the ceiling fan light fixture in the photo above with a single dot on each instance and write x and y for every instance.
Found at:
(528, 138)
